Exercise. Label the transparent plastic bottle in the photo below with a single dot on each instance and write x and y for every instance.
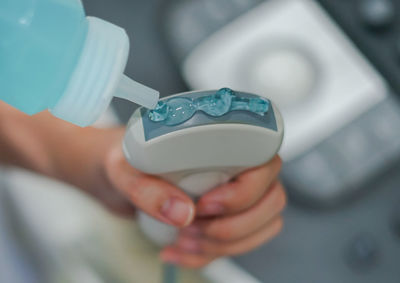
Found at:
(54, 57)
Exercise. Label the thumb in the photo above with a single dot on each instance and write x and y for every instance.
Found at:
(152, 195)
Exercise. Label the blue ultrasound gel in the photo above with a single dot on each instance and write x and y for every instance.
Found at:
(160, 113)
(216, 105)
(177, 110)
(256, 105)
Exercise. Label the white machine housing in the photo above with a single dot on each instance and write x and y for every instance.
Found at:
(198, 158)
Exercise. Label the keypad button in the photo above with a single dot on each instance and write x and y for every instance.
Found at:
(377, 13)
(362, 252)
(312, 178)
(357, 153)
(383, 124)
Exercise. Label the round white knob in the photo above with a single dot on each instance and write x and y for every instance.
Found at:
(285, 75)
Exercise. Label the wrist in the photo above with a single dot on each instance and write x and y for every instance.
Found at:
(80, 160)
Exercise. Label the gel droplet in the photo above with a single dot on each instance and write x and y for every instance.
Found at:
(216, 105)
(160, 113)
(179, 109)
(256, 105)
(259, 106)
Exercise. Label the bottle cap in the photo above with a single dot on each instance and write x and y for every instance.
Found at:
(99, 76)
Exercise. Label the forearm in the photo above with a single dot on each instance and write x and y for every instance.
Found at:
(50, 146)
(21, 143)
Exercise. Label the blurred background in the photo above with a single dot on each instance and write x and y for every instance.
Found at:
(332, 66)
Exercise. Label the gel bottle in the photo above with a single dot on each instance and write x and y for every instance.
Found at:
(53, 57)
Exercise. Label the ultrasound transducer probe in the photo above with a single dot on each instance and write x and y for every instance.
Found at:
(199, 140)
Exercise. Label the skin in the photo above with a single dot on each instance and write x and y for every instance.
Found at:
(230, 220)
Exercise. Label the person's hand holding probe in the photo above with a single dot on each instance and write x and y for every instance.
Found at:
(229, 220)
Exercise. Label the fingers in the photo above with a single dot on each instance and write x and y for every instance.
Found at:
(195, 253)
(248, 214)
(242, 193)
(238, 226)
(207, 239)
(219, 248)
(152, 195)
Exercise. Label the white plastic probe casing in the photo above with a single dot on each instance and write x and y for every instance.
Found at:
(198, 158)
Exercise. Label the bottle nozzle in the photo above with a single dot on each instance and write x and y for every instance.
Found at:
(136, 92)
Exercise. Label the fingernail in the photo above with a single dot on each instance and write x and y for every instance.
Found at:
(189, 244)
(211, 208)
(177, 211)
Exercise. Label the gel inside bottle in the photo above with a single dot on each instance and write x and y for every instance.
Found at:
(53, 57)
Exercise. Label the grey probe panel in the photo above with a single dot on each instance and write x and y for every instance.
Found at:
(154, 129)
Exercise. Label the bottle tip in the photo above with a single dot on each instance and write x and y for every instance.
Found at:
(137, 93)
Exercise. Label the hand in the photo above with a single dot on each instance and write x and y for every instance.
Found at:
(121, 187)
(233, 218)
